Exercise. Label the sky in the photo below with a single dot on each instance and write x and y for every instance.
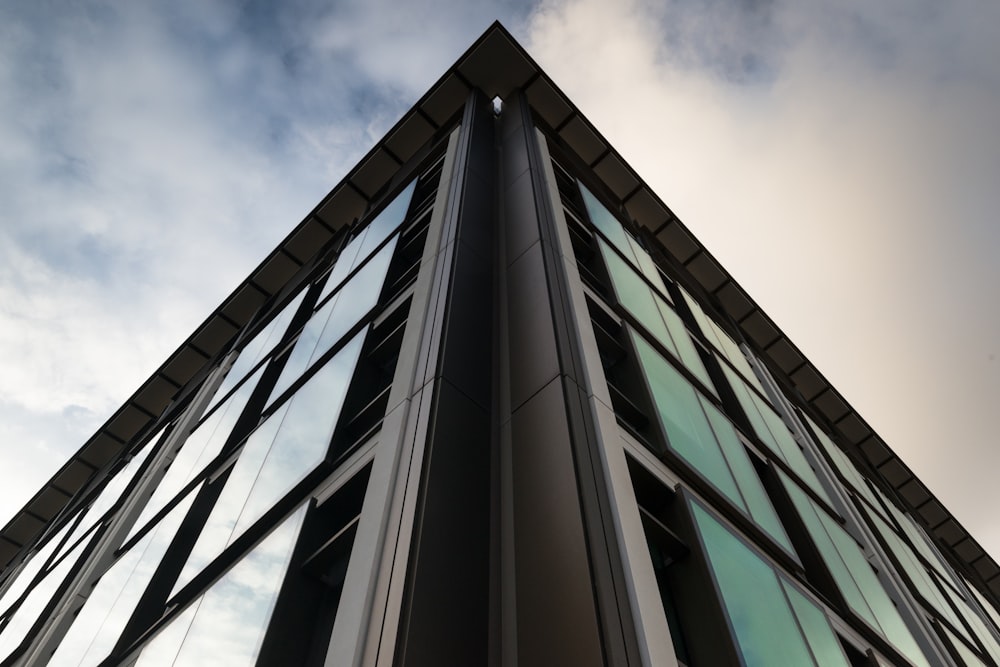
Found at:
(841, 160)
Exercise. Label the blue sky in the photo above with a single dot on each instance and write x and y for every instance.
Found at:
(841, 160)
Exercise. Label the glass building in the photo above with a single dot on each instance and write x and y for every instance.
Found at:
(491, 403)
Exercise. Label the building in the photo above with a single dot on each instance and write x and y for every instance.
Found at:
(491, 403)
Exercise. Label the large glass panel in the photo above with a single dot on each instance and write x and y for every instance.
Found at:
(965, 653)
(257, 349)
(853, 574)
(758, 503)
(275, 457)
(922, 580)
(722, 342)
(698, 433)
(227, 624)
(816, 627)
(845, 466)
(198, 450)
(979, 627)
(754, 598)
(31, 568)
(772, 431)
(35, 602)
(984, 603)
(607, 223)
(654, 314)
(112, 491)
(110, 605)
(335, 318)
(364, 243)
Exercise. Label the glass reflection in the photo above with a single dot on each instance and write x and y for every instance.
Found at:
(754, 597)
(35, 602)
(364, 243)
(698, 433)
(112, 601)
(226, 625)
(853, 574)
(335, 318)
(257, 349)
(31, 569)
(112, 491)
(198, 450)
(771, 430)
(275, 457)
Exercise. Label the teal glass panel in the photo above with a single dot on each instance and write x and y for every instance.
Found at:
(979, 627)
(759, 505)
(355, 253)
(685, 347)
(923, 547)
(965, 653)
(684, 422)
(32, 605)
(772, 431)
(825, 646)
(637, 298)
(110, 604)
(845, 466)
(203, 444)
(654, 314)
(226, 625)
(764, 626)
(284, 449)
(722, 342)
(984, 603)
(607, 223)
(920, 578)
(855, 578)
(335, 318)
(257, 349)
(648, 268)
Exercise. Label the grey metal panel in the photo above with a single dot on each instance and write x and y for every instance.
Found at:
(556, 617)
(530, 327)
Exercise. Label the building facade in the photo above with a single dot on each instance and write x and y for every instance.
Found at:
(491, 403)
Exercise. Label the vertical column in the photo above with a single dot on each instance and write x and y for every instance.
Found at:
(564, 584)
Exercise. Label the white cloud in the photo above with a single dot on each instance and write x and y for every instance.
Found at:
(854, 166)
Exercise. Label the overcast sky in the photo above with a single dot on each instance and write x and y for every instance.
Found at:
(842, 160)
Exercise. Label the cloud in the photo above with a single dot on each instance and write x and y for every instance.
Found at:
(840, 161)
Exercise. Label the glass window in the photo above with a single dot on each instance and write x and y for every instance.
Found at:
(971, 617)
(965, 653)
(257, 348)
(226, 625)
(607, 223)
(30, 569)
(335, 318)
(771, 429)
(772, 622)
(704, 439)
(845, 466)
(286, 447)
(654, 314)
(25, 616)
(722, 341)
(370, 237)
(984, 603)
(201, 446)
(110, 605)
(853, 574)
(112, 491)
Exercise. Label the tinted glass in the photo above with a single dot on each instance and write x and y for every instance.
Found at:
(286, 447)
(227, 624)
